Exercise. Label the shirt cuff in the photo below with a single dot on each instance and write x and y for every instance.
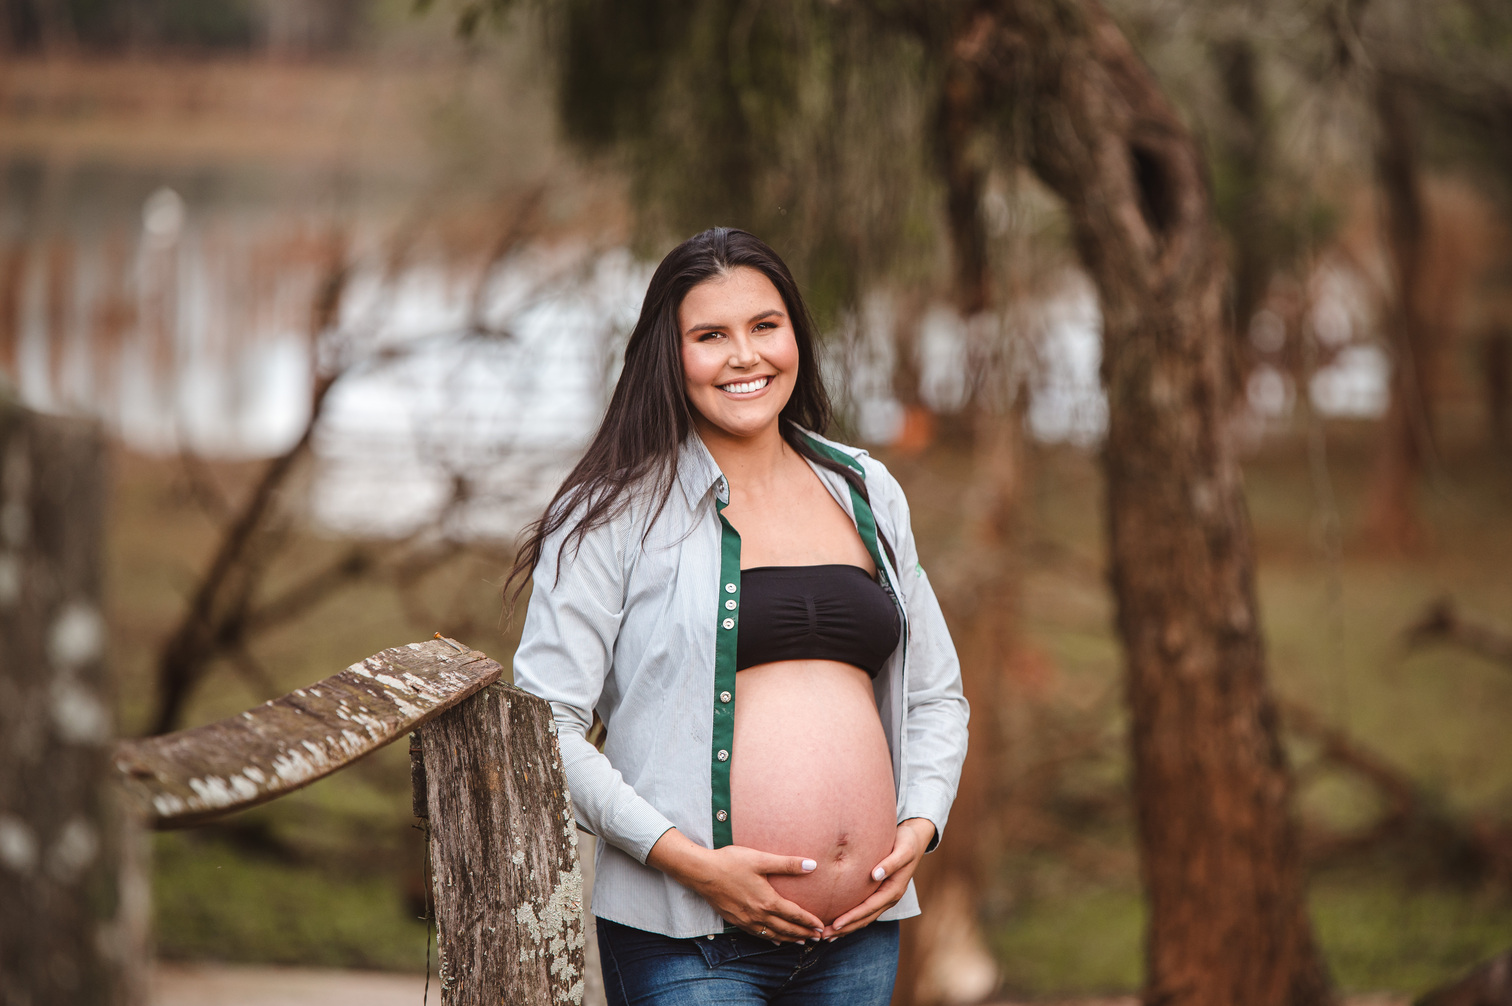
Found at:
(932, 803)
(636, 828)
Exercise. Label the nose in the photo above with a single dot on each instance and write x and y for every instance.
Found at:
(743, 354)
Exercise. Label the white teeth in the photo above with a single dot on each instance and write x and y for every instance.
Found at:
(746, 387)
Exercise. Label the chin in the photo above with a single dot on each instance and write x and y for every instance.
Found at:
(743, 430)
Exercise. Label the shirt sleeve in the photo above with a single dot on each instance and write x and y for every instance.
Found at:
(566, 650)
(935, 712)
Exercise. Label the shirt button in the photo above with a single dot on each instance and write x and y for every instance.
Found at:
(729, 589)
(729, 623)
(723, 756)
(721, 816)
(730, 604)
(725, 696)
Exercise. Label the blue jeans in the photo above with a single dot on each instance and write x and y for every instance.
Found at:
(735, 969)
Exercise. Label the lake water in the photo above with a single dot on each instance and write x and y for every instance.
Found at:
(180, 316)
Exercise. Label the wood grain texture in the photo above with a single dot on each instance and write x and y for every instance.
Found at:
(507, 883)
(189, 777)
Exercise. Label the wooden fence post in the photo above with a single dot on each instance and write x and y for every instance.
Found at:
(507, 884)
(73, 925)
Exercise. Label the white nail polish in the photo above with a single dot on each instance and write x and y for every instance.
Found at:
(878, 873)
(809, 866)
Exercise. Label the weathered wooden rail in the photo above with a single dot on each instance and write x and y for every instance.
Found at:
(506, 880)
(192, 776)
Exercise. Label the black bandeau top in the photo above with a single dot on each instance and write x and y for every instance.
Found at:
(829, 612)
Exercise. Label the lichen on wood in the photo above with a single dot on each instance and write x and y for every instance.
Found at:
(189, 777)
(507, 882)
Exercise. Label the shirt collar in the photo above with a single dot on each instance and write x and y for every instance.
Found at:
(697, 471)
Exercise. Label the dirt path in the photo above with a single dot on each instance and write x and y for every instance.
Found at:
(248, 985)
(243, 985)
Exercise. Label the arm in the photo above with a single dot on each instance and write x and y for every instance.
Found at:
(934, 721)
(566, 647)
(935, 713)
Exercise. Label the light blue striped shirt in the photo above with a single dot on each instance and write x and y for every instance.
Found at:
(640, 623)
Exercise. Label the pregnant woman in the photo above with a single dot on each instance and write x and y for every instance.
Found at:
(740, 601)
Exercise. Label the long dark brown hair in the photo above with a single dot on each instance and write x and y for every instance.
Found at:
(649, 415)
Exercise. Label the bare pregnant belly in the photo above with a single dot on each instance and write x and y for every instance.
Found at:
(811, 776)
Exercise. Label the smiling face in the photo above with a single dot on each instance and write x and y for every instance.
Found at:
(739, 354)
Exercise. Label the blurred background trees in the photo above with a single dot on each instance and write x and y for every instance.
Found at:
(394, 252)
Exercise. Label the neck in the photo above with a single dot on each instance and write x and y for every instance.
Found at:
(745, 461)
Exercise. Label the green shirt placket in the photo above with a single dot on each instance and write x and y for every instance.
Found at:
(726, 635)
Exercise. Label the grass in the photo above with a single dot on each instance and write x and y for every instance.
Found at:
(214, 902)
(1334, 629)
(1378, 935)
(331, 875)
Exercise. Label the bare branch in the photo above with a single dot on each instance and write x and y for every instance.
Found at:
(299, 599)
(1441, 623)
(1472, 848)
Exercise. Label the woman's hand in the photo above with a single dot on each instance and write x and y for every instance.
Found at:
(910, 841)
(734, 881)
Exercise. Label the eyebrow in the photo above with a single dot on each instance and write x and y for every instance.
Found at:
(708, 325)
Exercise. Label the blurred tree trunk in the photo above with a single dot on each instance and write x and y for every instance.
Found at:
(1219, 853)
(1407, 432)
(74, 928)
(1246, 146)
(917, 431)
(1496, 372)
(12, 273)
(957, 130)
(943, 958)
(1248, 213)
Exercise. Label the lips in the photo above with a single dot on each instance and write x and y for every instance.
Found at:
(746, 387)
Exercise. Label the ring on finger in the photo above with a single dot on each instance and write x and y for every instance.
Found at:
(764, 933)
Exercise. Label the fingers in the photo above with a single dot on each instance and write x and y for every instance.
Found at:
(895, 861)
(884, 897)
(787, 865)
(743, 895)
(805, 922)
(782, 920)
(881, 900)
(861, 915)
(905, 851)
(780, 930)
